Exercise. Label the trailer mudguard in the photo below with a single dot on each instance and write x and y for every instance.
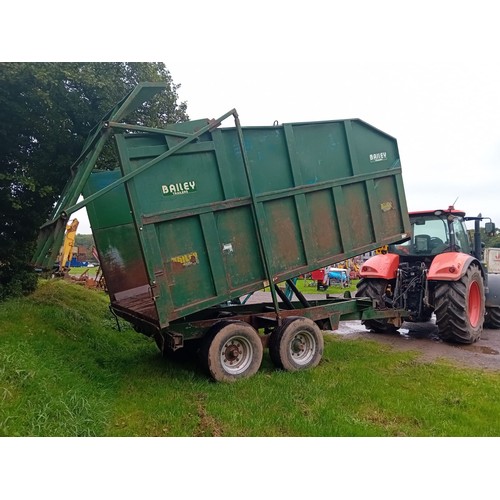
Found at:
(384, 266)
(449, 266)
(493, 294)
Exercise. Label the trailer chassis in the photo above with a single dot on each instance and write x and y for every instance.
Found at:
(229, 339)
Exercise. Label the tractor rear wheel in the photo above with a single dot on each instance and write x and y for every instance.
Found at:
(459, 307)
(376, 289)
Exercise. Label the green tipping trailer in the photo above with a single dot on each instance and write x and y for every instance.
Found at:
(196, 216)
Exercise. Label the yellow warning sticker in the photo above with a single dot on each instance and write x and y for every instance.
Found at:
(188, 259)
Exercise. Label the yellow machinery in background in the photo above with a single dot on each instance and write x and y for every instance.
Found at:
(67, 248)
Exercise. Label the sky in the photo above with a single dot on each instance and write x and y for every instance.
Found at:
(425, 72)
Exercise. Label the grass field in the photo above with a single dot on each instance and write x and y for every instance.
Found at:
(88, 271)
(309, 287)
(65, 370)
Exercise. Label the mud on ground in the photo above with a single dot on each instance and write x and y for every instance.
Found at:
(422, 337)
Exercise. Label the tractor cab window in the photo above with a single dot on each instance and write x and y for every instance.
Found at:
(429, 237)
(461, 236)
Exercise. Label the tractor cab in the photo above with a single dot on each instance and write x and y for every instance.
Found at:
(434, 233)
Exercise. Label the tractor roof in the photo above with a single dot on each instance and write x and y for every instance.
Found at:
(449, 210)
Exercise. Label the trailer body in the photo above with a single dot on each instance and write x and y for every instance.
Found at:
(194, 231)
(195, 216)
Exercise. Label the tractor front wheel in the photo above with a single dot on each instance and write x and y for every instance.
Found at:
(492, 318)
(459, 307)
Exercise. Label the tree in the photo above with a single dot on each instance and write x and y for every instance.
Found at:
(85, 243)
(46, 113)
(492, 240)
(84, 240)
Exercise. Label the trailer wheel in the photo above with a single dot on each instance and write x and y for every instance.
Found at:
(492, 318)
(375, 289)
(296, 345)
(231, 351)
(459, 307)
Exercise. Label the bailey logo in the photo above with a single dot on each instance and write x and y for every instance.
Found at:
(178, 188)
(378, 157)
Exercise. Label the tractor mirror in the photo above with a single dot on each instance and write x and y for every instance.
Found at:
(489, 228)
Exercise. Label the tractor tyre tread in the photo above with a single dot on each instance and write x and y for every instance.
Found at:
(451, 308)
(492, 318)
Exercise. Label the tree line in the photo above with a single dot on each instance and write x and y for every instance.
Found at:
(46, 113)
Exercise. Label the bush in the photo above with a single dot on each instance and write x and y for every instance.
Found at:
(16, 279)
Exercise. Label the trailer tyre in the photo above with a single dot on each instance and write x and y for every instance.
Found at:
(375, 289)
(459, 307)
(296, 345)
(231, 351)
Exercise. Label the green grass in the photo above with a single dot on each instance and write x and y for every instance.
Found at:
(78, 271)
(65, 370)
(309, 286)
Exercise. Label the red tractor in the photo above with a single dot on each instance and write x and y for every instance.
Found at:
(436, 271)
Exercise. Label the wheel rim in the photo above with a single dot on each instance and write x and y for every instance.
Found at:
(302, 347)
(474, 304)
(236, 355)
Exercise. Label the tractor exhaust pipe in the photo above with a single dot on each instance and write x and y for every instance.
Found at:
(477, 238)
